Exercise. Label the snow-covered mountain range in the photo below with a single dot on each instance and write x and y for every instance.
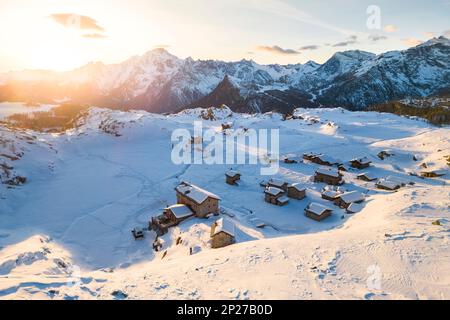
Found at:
(161, 82)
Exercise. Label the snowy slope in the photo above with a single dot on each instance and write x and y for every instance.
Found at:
(65, 234)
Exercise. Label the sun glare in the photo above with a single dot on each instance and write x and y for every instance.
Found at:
(54, 59)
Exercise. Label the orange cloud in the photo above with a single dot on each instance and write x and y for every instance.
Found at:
(412, 42)
(277, 50)
(72, 20)
(94, 36)
(429, 34)
(390, 28)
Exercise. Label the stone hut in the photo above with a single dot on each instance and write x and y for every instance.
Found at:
(227, 125)
(331, 193)
(367, 176)
(200, 201)
(388, 185)
(232, 177)
(310, 156)
(280, 184)
(178, 213)
(275, 196)
(345, 200)
(317, 211)
(171, 217)
(329, 176)
(325, 160)
(360, 163)
(222, 233)
(296, 191)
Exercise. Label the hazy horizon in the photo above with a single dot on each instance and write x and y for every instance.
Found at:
(209, 59)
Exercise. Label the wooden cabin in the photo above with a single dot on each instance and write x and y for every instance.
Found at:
(310, 156)
(227, 125)
(345, 200)
(325, 160)
(331, 193)
(275, 196)
(288, 160)
(384, 154)
(222, 233)
(200, 201)
(329, 176)
(296, 191)
(367, 176)
(280, 184)
(360, 163)
(388, 185)
(232, 177)
(317, 211)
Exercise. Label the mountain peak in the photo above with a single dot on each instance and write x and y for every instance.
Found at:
(354, 54)
(440, 40)
(159, 52)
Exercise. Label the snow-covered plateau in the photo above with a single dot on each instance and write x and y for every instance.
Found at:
(66, 232)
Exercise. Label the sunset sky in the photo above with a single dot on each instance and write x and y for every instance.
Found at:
(65, 34)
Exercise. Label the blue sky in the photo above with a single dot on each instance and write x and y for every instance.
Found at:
(35, 34)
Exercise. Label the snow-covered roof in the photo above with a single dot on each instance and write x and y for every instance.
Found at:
(274, 191)
(368, 175)
(363, 160)
(196, 194)
(355, 207)
(297, 186)
(283, 199)
(312, 154)
(180, 211)
(317, 208)
(277, 182)
(334, 188)
(353, 196)
(224, 225)
(232, 173)
(331, 193)
(329, 172)
(388, 184)
(326, 158)
(289, 156)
